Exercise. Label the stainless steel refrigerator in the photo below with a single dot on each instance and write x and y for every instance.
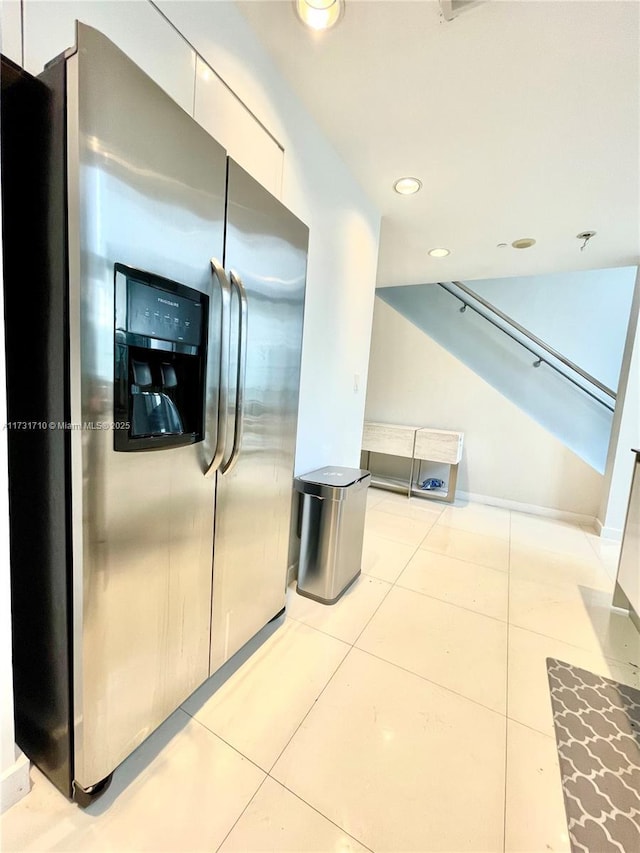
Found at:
(154, 322)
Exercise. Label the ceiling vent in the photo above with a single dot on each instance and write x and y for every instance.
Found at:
(450, 9)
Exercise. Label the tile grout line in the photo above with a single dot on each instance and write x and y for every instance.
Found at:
(352, 645)
(327, 634)
(474, 532)
(451, 604)
(226, 742)
(330, 679)
(608, 657)
(235, 823)
(391, 586)
(427, 511)
(462, 559)
(317, 811)
(430, 681)
(400, 541)
(437, 523)
(268, 772)
(409, 671)
(313, 704)
(532, 728)
(267, 775)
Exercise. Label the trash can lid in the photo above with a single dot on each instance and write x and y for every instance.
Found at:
(334, 475)
(332, 481)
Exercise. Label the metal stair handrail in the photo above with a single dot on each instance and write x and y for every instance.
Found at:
(536, 340)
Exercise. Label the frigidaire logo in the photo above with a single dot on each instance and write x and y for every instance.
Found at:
(168, 302)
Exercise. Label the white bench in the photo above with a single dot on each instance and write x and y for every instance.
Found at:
(418, 444)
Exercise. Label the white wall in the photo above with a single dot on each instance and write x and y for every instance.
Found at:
(507, 456)
(584, 314)
(625, 433)
(315, 184)
(10, 30)
(318, 188)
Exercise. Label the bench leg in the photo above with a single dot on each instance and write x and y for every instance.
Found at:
(453, 479)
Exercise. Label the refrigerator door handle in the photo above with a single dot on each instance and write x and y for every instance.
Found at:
(243, 313)
(220, 276)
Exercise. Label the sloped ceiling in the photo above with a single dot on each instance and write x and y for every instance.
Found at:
(521, 118)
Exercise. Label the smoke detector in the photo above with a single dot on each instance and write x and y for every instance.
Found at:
(585, 236)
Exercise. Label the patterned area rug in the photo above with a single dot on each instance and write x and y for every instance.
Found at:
(597, 724)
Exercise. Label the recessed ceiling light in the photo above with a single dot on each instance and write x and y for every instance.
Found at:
(439, 253)
(319, 14)
(523, 243)
(407, 186)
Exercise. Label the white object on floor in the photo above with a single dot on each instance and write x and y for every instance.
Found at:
(15, 781)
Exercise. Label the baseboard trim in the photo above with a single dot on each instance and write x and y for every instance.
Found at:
(608, 532)
(16, 782)
(531, 509)
(292, 573)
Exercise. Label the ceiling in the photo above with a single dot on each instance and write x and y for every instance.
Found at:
(520, 117)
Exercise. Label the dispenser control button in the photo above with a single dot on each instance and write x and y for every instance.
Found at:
(141, 373)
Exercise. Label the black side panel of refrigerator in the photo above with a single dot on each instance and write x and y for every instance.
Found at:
(35, 304)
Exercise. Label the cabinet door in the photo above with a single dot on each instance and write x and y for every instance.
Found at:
(136, 28)
(10, 26)
(227, 119)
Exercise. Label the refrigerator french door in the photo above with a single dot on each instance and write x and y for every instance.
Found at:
(167, 405)
(265, 256)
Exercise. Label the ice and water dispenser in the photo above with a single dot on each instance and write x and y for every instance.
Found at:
(160, 361)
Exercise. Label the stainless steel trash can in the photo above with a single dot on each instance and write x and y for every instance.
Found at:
(334, 501)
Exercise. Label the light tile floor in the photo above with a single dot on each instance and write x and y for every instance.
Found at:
(413, 715)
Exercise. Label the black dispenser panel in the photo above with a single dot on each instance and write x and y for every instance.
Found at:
(161, 314)
(160, 361)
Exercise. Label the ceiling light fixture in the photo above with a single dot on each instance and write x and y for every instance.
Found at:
(319, 14)
(524, 243)
(439, 253)
(407, 186)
